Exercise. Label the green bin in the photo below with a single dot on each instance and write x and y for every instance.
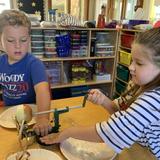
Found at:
(120, 87)
(123, 73)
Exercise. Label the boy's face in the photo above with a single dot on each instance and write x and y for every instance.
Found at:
(15, 42)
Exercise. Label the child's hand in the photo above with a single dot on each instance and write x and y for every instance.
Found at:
(42, 126)
(50, 139)
(96, 96)
(58, 137)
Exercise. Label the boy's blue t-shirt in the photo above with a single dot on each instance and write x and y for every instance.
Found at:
(18, 80)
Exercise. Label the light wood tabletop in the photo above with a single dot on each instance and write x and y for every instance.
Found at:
(88, 115)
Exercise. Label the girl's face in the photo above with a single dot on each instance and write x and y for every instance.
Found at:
(142, 69)
(15, 42)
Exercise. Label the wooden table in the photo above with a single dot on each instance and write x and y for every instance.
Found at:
(83, 116)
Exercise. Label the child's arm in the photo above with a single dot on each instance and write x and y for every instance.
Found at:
(97, 97)
(82, 133)
(43, 103)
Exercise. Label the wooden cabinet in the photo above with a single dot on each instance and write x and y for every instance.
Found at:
(126, 39)
(87, 59)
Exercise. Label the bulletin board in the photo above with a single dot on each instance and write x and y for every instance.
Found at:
(33, 7)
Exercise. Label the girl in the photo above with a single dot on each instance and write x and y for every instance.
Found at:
(140, 122)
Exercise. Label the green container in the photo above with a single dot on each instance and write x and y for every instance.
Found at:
(123, 73)
(120, 87)
(115, 96)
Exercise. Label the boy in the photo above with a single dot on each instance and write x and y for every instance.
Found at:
(22, 76)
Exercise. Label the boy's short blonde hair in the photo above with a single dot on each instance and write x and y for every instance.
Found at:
(14, 18)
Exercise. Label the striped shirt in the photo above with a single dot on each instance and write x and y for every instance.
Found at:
(139, 123)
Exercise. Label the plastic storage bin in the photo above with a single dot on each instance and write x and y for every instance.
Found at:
(50, 54)
(38, 54)
(127, 40)
(103, 49)
(37, 44)
(120, 87)
(37, 37)
(49, 32)
(49, 44)
(36, 32)
(125, 58)
(79, 91)
(134, 22)
(53, 70)
(49, 38)
(102, 37)
(37, 49)
(123, 73)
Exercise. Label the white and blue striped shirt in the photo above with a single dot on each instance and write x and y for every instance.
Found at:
(139, 123)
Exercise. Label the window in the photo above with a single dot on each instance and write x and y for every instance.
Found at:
(117, 9)
(98, 5)
(60, 5)
(5, 4)
(130, 9)
(113, 9)
(157, 10)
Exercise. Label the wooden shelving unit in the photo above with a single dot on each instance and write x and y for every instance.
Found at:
(100, 37)
(81, 84)
(97, 40)
(124, 51)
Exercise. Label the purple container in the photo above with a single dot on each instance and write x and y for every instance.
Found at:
(137, 22)
(75, 47)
